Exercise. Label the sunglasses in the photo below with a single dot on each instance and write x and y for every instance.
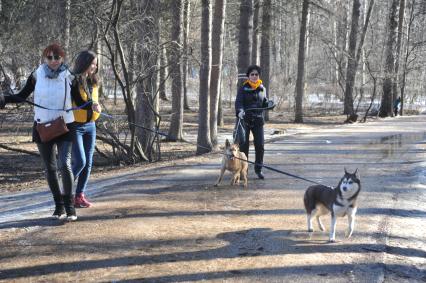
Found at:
(254, 74)
(54, 57)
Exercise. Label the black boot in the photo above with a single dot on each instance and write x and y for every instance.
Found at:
(59, 212)
(69, 207)
(260, 175)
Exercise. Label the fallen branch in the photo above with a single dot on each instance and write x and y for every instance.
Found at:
(18, 150)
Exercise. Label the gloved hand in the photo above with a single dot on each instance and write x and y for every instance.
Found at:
(270, 104)
(241, 114)
(2, 101)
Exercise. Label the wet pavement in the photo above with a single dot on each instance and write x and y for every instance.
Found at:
(169, 224)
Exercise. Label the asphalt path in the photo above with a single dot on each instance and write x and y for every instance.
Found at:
(169, 224)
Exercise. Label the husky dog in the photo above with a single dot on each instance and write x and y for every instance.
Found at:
(341, 201)
(234, 161)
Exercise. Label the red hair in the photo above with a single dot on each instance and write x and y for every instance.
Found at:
(55, 48)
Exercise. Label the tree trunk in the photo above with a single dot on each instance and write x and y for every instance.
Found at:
(300, 81)
(255, 34)
(67, 24)
(220, 120)
(341, 27)
(407, 52)
(204, 144)
(186, 21)
(146, 88)
(163, 75)
(216, 70)
(353, 64)
(398, 49)
(265, 48)
(176, 119)
(245, 27)
(351, 69)
(386, 108)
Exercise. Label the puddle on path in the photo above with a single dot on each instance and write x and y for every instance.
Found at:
(392, 145)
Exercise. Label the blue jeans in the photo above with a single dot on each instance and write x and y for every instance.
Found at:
(82, 153)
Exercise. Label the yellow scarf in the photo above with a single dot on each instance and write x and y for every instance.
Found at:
(252, 84)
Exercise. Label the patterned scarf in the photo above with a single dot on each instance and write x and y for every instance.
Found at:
(252, 84)
(52, 74)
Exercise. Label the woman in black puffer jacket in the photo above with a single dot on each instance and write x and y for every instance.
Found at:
(252, 94)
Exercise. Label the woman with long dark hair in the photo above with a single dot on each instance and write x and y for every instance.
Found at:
(85, 96)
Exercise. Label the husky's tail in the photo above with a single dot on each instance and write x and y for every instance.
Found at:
(308, 201)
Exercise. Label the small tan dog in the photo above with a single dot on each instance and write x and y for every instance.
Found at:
(235, 165)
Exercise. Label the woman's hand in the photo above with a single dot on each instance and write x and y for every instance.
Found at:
(96, 107)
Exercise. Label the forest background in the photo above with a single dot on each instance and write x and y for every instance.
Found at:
(174, 67)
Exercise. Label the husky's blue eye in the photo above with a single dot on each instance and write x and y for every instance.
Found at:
(350, 182)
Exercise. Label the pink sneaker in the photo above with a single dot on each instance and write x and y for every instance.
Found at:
(81, 201)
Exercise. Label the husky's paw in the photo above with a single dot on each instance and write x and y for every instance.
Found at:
(216, 185)
(310, 230)
(322, 227)
(348, 234)
(332, 240)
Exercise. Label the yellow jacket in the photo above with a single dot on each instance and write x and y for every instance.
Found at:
(81, 115)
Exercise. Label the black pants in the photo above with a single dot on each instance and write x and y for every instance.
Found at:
(48, 155)
(256, 127)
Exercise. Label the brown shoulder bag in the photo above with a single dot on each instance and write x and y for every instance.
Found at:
(55, 128)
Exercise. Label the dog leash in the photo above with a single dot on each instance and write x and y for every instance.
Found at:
(270, 106)
(20, 99)
(194, 144)
(53, 109)
(282, 172)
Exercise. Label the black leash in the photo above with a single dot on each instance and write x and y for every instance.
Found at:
(251, 162)
(52, 109)
(37, 105)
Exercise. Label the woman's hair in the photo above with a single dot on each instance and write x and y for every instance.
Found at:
(253, 67)
(55, 48)
(82, 63)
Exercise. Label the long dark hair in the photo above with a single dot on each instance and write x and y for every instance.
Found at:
(82, 63)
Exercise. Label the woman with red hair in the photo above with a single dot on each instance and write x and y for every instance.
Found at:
(51, 85)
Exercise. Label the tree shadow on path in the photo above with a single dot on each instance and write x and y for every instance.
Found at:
(244, 243)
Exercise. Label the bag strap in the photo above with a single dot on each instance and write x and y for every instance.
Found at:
(65, 95)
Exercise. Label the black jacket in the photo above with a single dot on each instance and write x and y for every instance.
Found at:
(251, 98)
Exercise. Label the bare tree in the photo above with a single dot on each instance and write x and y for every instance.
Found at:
(351, 69)
(340, 39)
(66, 7)
(409, 48)
(265, 47)
(204, 144)
(163, 75)
(112, 38)
(255, 33)
(300, 81)
(216, 71)
(176, 119)
(186, 24)
(147, 58)
(398, 48)
(354, 62)
(386, 109)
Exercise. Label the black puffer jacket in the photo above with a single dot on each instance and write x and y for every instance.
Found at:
(251, 98)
